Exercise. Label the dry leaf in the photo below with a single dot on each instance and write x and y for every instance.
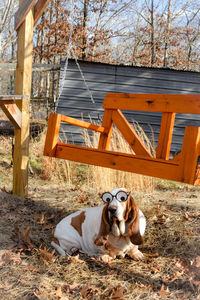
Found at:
(156, 254)
(189, 217)
(157, 269)
(26, 238)
(197, 262)
(163, 292)
(81, 199)
(31, 268)
(48, 256)
(76, 259)
(72, 287)
(42, 219)
(16, 231)
(47, 227)
(6, 190)
(87, 292)
(191, 233)
(51, 217)
(7, 256)
(176, 275)
(69, 288)
(84, 291)
(182, 265)
(118, 293)
(59, 293)
(197, 283)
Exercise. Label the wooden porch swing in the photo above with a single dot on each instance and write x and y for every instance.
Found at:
(184, 167)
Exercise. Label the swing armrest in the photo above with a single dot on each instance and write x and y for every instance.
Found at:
(83, 124)
(54, 127)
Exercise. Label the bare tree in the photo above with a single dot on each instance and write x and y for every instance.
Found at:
(7, 35)
(192, 32)
(167, 32)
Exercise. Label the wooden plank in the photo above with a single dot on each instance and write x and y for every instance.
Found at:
(119, 161)
(83, 124)
(13, 113)
(7, 99)
(52, 134)
(24, 7)
(23, 87)
(107, 123)
(7, 104)
(190, 153)
(187, 104)
(130, 134)
(39, 9)
(165, 136)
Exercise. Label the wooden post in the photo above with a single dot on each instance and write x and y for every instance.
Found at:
(129, 134)
(189, 155)
(52, 135)
(23, 87)
(165, 136)
(107, 123)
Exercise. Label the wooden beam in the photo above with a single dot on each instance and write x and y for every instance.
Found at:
(52, 134)
(119, 161)
(82, 124)
(24, 7)
(190, 154)
(11, 110)
(165, 135)
(107, 123)
(39, 9)
(130, 134)
(13, 113)
(23, 87)
(7, 99)
(186, 104)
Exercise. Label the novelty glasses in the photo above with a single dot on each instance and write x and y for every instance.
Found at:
(121, 196)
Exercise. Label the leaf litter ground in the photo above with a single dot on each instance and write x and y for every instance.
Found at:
(30, 268)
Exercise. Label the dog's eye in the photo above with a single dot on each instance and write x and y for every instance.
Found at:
(106, 197)
(121, 196)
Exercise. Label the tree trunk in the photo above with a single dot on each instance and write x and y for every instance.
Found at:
(167, 33)
(152, 34)
(84, 39)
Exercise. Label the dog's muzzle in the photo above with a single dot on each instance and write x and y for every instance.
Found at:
(112, 211)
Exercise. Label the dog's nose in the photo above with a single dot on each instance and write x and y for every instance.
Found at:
(112, 210)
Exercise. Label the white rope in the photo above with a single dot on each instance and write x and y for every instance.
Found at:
(70, 49)
(71, 19)
(82, 75)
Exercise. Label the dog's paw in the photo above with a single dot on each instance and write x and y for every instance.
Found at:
(137, 255)
(106, 258)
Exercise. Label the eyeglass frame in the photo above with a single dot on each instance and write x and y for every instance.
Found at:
(115, 196)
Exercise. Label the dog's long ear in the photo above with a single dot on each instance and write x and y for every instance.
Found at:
(132, 218)
(105, 228)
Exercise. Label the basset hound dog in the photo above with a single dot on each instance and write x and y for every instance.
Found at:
(113, 229)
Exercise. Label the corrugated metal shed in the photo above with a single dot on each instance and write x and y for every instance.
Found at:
(75, 99)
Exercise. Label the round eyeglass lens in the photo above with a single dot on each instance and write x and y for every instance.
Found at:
(121, 196)
(106, 197)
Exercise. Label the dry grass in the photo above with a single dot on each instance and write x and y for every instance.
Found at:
(98, 178)
(107, 179)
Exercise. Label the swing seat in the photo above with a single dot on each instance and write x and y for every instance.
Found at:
(184, 167)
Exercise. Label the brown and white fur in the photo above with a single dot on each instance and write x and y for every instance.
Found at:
(110, 230)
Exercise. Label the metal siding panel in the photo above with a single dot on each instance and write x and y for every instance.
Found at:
(101, 78)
